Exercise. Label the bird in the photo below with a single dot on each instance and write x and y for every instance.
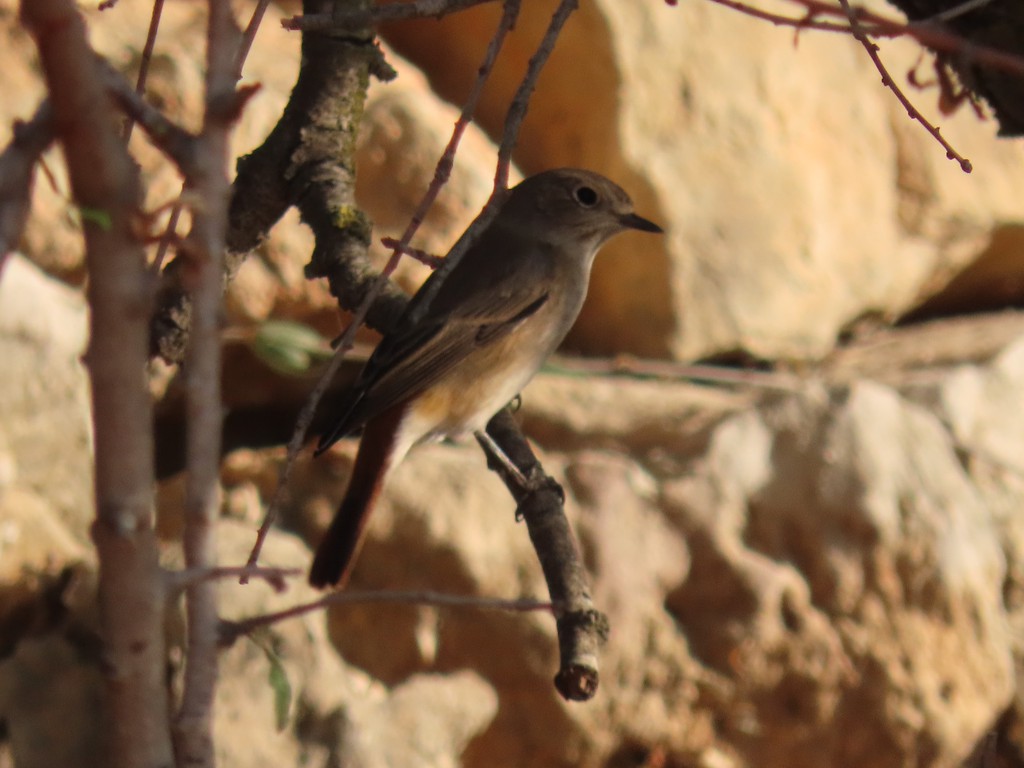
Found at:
(472, 337)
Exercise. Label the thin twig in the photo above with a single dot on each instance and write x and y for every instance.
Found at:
(887, 81)
(925, 32)
(510, 133)
(667, 370)
(321, 22)
(931, 35)
(521, 101)
(249, 36)
(803, 22)
(442, 171)
(959, 10)
(147, 57)
(423, 257)
(173, 140)
(193, 725)
(232, 630)
(170, 235)
(275, 577)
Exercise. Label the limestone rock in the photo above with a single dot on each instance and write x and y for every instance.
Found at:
(45, 394)
(405, 130)
(796, 194)
(33, 538)
(846, 523)
(50, 701)
(425, 721)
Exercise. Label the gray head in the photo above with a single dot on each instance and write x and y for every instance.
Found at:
(572, 203)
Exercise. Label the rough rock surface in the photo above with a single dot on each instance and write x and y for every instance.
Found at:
(44, 392)
(825, 571)
(792, 184)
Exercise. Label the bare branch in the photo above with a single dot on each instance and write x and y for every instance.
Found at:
(345, 20)
(232, 630)
(807, 21)
(521, 101)
(669, 370)
(176, 142)
(928, 33)
(250, 36)
(582, 629)
(275, 577)
(105, 184)
(17, 163)
(193, 724)
(428, 259)
(147, 57)
(887, 81)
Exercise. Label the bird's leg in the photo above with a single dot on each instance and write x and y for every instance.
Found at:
(493, 450)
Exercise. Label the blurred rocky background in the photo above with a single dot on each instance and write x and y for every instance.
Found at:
(820, 563)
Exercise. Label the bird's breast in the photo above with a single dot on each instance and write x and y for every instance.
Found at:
(465, 399)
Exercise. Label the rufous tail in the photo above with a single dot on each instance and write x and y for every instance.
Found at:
(337, 551)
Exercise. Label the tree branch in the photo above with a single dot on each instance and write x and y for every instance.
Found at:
(364, 17)
(144, 61)
(193, 727)
(872, 50)
(230, 631)
(298, 164)
(582, 629)
(17, 164)
(105, 185)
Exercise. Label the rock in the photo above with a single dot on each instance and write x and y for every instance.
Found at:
(981, 405)
(50, 702)
(648, 418)
(45, 393)
(844, 534)
(405, 131)
(33, 538)
(796, 194)
(427, 720)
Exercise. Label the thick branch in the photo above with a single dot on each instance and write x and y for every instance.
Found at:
(105, 185)
(582, 629)
(362, 17)
(322, 176)
(307, 160)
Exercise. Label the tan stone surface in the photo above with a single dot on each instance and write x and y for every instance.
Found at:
(797, 194)
(44, 392)
(836, 501)
(827, 576)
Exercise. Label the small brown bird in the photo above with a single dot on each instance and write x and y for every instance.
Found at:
(471, 339)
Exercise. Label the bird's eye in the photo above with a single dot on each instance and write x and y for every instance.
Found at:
(585, 196)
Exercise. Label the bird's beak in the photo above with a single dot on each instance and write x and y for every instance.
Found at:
(632, 221)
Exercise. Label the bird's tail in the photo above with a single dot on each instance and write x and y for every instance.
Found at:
(337, 551)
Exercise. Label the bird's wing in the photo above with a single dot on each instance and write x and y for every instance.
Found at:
(473, 308)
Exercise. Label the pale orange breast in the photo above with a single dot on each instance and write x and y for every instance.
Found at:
(468, 395)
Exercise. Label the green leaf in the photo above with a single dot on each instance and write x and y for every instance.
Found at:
(277, 676)
(290, 348)
(96, 216)
(278, 679)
